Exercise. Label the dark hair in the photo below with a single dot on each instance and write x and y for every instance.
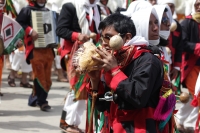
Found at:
(121, 24)
(119, 9)
(166, 10)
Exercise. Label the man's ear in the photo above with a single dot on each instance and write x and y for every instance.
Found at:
(128, 37)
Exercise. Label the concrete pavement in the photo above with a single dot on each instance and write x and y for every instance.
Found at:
(17, 117)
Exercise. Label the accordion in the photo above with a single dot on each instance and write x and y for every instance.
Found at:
(44, 23)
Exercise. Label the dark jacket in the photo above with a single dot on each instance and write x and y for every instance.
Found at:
(138, 95)
(191, 46)
(25, 20)
(175, 45)
(67, 22)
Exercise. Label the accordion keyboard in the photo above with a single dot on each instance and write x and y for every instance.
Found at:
(44, 24)
(38, 27)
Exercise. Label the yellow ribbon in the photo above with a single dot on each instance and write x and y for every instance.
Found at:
(169, 92)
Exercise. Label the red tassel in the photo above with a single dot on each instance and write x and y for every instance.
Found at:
(194, 102)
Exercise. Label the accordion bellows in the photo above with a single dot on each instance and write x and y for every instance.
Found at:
(82, 58)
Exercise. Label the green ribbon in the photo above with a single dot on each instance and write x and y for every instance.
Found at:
(78, 84)
(102, 119)
(89, 110)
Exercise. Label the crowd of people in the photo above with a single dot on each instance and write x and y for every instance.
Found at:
(135, 86)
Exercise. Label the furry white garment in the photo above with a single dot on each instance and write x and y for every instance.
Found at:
(142, 24)
(135, 6)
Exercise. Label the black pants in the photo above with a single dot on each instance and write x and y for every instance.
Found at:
(40, 93)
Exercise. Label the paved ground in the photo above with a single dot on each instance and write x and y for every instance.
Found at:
(17, 117)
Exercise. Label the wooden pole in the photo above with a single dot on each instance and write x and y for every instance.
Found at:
(94, 97)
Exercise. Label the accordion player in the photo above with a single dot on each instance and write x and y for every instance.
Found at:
(44, 23)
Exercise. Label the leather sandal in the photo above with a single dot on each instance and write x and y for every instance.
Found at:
(69, 129)
(11, 81)
(45, 107)
(26, 85)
